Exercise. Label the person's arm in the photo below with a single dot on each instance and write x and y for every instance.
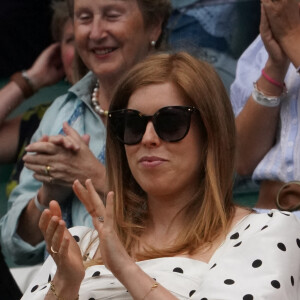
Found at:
(45, 71)
(20, 235)
(257, 124)
(27, 227)
(139, 284)
(39, 287)
(30, 216)
(19, 250)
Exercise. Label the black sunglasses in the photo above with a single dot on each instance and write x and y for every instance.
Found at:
(171, 123)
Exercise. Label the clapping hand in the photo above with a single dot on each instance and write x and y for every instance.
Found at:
(113, 253)
(276, 53)
(284, 19)
(61, 245)
(62, 159)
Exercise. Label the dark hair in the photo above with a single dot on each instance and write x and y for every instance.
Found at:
(209, 213)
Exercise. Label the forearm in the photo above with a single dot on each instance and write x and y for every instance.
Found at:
(28, 226)
(62, 289)
(141, 286)
(11, 96)
(99, 178)
(9, 136)
(257, 124)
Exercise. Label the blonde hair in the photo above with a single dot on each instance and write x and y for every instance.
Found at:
(208, 215)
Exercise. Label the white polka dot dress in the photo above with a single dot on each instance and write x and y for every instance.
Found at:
(260, 259)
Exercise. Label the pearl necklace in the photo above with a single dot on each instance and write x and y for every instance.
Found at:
(96, 106)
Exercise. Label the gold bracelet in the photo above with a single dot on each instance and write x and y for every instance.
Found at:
(153, 287)
(52, 288)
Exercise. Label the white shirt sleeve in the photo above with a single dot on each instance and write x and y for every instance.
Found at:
(248, 70)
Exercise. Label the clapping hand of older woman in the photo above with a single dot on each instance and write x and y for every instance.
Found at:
(111, 37)
(57, 159)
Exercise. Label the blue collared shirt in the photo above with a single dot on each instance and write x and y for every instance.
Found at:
(75, 108)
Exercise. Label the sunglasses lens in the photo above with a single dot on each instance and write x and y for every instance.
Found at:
(172, 123)
(128, 126)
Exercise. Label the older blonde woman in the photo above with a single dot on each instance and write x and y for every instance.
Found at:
(111, 36)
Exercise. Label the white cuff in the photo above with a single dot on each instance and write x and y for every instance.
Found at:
(38, 205)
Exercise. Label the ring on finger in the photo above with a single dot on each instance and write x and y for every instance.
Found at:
(47, 170)
(53, 251)
(101, 219)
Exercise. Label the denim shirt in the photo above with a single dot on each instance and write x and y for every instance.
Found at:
(75, 108)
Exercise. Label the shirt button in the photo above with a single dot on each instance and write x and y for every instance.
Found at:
(290, 144)
(290, 169)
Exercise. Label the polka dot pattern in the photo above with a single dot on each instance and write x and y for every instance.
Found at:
(254, 262)
(178, 270)
(281, 246)
(34, 288)
(238, 244)
(275, 284)
(247, 227)
(257, 263)
(229, 281)
(285, 214)
(76, 238)
(96, 274)
(235, 236)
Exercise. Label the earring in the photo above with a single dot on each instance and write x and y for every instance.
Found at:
(153, 43)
